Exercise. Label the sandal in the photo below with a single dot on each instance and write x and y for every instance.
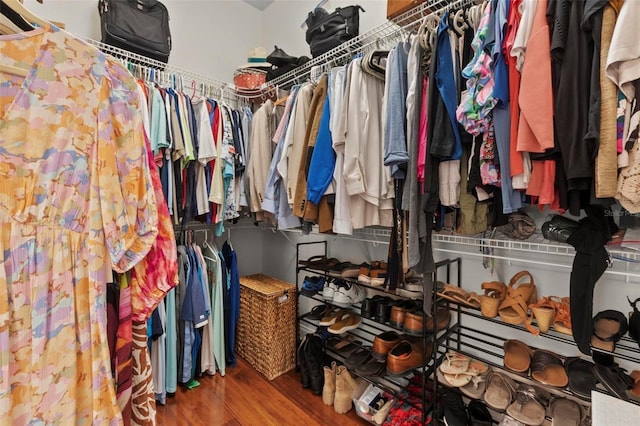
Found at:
(517, 356)
(565, 412)
(544, 312)
(455, 363)
(476, 388)
(514, 308)
(547, 368)
(529, 406)
(459, 295)
(562, 321)
(494, 294)
(581, 377)
(608, 327)
(500, 391)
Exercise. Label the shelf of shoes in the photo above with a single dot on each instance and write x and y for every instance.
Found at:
(626, 348)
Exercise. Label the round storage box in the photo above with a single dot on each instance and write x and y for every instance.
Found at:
(249, 78)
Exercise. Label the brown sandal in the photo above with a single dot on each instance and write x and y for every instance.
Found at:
(517, 356)
(459, 295)
(544, 312)
(514, 309)
(562, 321)
(494, 294)
(547, 368)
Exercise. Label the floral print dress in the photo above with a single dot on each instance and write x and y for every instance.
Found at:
(76, 200)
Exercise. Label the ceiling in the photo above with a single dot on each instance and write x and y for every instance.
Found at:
(259, 4)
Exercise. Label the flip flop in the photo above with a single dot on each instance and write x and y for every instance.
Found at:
(500, 391)
(547, 368)
(608, 328)
(455, 363)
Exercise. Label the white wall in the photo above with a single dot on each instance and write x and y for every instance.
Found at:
(210, 37)
(283, 18)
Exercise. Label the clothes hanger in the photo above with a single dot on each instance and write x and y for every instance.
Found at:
(29, 17)
(458, 22)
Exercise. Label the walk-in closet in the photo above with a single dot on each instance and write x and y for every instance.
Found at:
(303, 212)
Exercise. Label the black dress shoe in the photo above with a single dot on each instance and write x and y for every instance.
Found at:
(368, 309)
(479, 414)
(383, 310)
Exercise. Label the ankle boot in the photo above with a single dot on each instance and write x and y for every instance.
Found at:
(344, 388)
(329, 388)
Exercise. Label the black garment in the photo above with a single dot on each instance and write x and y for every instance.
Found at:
(572, 56)
(589, 264)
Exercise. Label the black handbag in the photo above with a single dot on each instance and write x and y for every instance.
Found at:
(138, 26)
(326, 31)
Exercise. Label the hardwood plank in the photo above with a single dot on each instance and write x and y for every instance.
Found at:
(245, 397)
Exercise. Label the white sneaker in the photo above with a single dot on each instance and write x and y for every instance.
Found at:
(347, 294)
(329, 290)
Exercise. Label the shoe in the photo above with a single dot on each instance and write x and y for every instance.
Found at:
(614, 379)
(329, 290)
(345, 385)
(345, 270)
(581, 377)
(383, 310)
(368, 308)
(405, 357)
(455, 413)
(442, 319)
(530, 405)
(305, 379)
(378, 277)
(383, 343)
(371, 368)
(345, 322)
(312, 285)
(329, 388)
(347, 294)
(314, 357)
(357, 357)
(479, 414)
(280, 58)
(399, 312)
(364, 274)
(318, 312)
(413, 323)
(330, 317)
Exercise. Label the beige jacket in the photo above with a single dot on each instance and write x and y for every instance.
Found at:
(262, 129)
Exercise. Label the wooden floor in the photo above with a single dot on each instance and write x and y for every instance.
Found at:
(245, 397)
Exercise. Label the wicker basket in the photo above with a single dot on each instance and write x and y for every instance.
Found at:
(266, 331)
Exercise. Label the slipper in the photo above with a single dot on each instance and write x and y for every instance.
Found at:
(457, 380)
(517, 356)
(581, 378)
(455, 363)
(565, 412)
(494, 294)
(608, 328)
(344, 270)
(547, 368)
(529, 406)
(500, 391)
(477, 368)
(514, 309)
(313, 260)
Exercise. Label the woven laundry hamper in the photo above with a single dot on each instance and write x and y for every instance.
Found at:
(266, 331)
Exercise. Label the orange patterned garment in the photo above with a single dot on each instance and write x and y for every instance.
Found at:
(76, 199)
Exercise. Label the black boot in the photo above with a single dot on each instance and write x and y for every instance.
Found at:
(302, 365)
(314, 356)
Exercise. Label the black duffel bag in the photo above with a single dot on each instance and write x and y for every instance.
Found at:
(138, 26)
(326, 31)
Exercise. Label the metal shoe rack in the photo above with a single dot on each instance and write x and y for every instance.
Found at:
(468, 335)
(364, 335)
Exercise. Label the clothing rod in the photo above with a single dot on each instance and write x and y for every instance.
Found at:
(214, 87)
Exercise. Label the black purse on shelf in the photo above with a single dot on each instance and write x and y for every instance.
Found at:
(138, 26)
(326, 31)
